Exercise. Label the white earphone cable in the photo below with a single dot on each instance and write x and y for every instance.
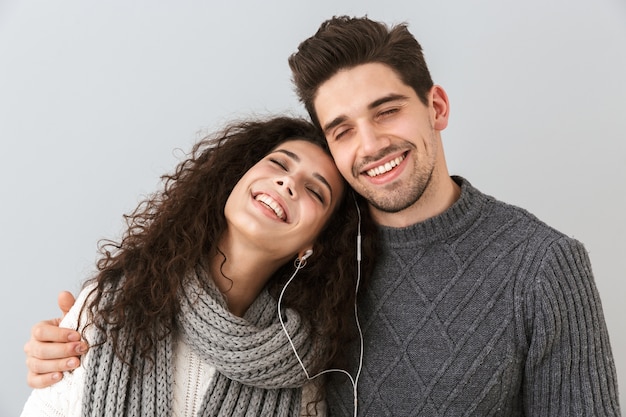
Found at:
(299, 265)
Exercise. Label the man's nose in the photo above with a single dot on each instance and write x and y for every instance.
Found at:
(371, 139)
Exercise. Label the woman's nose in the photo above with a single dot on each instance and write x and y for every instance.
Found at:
(287, 184)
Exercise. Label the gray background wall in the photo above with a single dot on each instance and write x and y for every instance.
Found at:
(96, 96)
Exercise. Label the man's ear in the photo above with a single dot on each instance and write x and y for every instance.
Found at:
(441, 107)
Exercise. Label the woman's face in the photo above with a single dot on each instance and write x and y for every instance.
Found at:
(282, 203)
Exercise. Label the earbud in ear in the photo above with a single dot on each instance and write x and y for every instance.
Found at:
(307, 254)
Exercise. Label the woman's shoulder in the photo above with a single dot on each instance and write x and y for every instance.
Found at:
(71, 319)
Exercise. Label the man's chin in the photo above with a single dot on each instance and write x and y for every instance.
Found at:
(393, 203)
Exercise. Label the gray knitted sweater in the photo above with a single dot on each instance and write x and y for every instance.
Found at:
(481, 311)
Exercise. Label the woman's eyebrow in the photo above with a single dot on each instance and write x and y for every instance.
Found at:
(289, 154)
(317, 175)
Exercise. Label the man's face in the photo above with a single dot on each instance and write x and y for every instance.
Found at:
(384, 140)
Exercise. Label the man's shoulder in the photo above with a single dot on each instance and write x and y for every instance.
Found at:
(516, 219)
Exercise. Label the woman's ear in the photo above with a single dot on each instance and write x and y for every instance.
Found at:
(303, 256)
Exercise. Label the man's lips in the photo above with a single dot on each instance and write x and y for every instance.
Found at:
(384, 167)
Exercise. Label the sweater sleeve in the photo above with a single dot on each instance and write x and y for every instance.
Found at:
(569, 369)
(62, 399)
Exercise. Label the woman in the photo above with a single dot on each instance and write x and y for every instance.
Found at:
(182, 315)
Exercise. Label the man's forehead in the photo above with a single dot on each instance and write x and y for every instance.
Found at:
(357, 89)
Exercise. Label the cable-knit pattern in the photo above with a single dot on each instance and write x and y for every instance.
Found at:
(481, 311)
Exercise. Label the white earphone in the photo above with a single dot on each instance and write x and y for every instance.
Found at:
(299, 264)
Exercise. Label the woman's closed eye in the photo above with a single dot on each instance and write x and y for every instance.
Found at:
(281, 164)
(316, 194)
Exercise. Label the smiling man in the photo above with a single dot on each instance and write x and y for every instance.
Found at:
(386, 142)
(475, 307)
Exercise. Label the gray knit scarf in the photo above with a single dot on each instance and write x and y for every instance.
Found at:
(257, 372)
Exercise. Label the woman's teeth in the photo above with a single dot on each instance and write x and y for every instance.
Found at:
(272, 204)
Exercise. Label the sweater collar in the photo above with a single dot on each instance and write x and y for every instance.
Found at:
(454, 220)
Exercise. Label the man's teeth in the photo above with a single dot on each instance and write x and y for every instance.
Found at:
(385, 167)
(271, 203)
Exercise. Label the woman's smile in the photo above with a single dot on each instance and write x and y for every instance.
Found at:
(273, 205)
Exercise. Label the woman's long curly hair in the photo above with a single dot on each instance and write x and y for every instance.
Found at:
(174, 230)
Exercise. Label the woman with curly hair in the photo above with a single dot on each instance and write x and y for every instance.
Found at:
(189, 315)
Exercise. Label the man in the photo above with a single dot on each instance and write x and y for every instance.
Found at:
(475, 307)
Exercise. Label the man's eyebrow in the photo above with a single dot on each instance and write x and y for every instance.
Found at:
(387, 99)
(333, 123)
(318, 176)
(378, 102)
